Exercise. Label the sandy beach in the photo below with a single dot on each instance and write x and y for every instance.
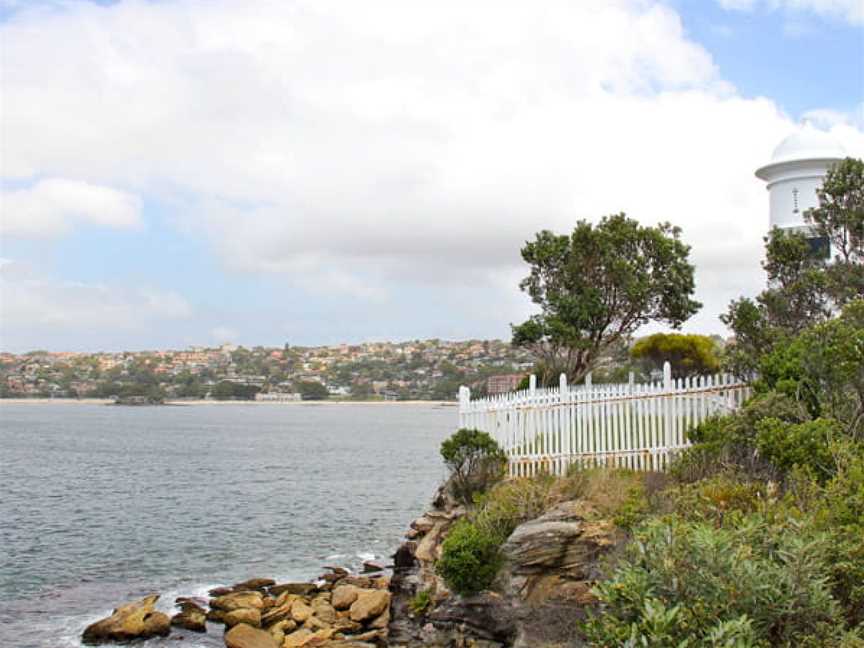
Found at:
(105, 401)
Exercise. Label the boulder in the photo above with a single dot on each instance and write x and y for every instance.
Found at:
(259, 584)
(427, 550)
(301, 589)
(363, 582)
(557, 549)
(381, 621)
(220, 591)
(249, 616)
(276, 614)
(245, 636)
(135, 620)
(300, 611)
(278, 630)
(370, 566)
(369, 604)
(191, 616)
(344, 596)
(486, 616)
(297, 639)
(237, 600)
(324, 611)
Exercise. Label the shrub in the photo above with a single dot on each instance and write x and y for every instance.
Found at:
(470, 558)
(509, 504)
(475, 460)
(420, 602)
(807, 444)
(691, 583)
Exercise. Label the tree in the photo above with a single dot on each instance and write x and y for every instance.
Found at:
(599, 285)
(840, 215)
(311, 390)
(803, 289)
(688, 355)
(475, 460)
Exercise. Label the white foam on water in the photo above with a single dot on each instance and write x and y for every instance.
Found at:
(365, 555)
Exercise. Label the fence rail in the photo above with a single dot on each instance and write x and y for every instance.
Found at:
(639, 426)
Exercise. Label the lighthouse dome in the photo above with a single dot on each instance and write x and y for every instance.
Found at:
(808, 144)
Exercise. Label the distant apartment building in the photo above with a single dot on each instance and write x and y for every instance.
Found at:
(277, 397)
(503, 383)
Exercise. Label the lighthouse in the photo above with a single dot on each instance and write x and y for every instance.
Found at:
(793, 175)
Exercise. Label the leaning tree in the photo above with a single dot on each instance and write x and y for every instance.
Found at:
(597, 286)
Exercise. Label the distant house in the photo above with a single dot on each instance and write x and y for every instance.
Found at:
(503, 383)
(277, 397)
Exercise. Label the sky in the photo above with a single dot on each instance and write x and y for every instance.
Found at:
(193, 172)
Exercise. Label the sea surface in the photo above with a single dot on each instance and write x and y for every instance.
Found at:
(101, 504)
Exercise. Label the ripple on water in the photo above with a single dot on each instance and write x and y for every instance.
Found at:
(104, 504)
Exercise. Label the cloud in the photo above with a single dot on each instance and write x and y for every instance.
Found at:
(223, 334)
(393, 150)
(851, 11)
(37, 307)
(53, 206)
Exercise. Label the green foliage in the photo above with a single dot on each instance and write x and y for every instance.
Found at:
(420, 602)
(476, 462)
(823, 367)
(470, 558)
(499, 511)
(840, 215)
(686, 583)
(312, 390)
(598, 285)
(807, 445)
(688, 355)
(228, 390)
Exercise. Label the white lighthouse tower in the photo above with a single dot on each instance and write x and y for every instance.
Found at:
(796, 170)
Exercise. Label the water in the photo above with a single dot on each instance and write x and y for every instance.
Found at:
(102, 504)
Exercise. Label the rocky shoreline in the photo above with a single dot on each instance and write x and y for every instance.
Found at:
(550, 565)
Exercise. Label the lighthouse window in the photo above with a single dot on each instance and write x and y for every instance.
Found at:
(795, 200)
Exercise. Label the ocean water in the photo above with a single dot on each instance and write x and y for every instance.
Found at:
(102, 504)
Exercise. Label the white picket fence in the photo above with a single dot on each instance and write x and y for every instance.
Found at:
(638, 426)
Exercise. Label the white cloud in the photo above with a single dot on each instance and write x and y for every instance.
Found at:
(53, 206)
(372, 148)
(849, 10)
(29, 300)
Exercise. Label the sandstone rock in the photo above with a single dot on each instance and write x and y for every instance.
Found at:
(297, 639)
(300, 611)
(280, 629)
(347, 626)
(215, 616)
(259, 584)
(237, 600)
(363, 582)
(372, 635)
(381, 621)
(245, 636)
(313, 623)
(191, 616)
(136, 620)
(426, 550)
(276, 614)
(324, 611)
(249, 616)
(370, 566)
(344, 596)
(285, 598)
(369, 604)
(423, 524)
(301, 589)
(488, 616)
(220, 591)
(560, 546)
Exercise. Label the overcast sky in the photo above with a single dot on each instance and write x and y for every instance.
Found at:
(317, 171)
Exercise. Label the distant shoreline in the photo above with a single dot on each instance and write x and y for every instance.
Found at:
(107, 401)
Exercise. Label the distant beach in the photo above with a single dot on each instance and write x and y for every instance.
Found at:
(107, 401)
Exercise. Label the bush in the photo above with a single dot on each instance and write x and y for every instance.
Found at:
(690, 583)
(476, 462)
(470, 558)
(420, 602)
(509, 504)
(807, 445)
